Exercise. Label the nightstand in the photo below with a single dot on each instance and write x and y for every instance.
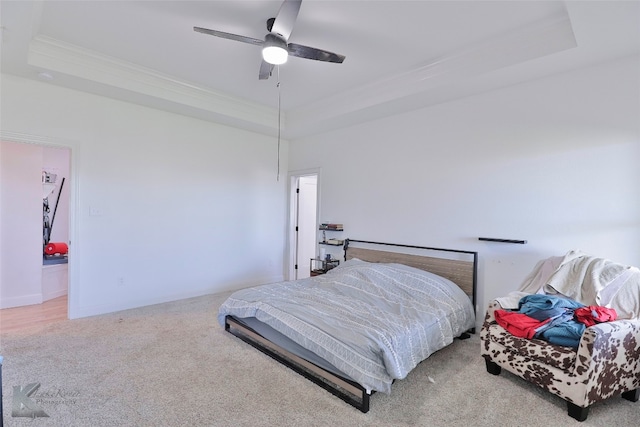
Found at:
(320, 266)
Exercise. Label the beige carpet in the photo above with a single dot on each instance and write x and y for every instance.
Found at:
(173, 365)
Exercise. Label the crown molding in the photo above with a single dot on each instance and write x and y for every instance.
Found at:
(176, 95)
(10, 136)
(438, 80)
(424, 84)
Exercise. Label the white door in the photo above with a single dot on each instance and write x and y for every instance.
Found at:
(307, 207)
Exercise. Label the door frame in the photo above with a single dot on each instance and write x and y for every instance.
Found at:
(74, 253)
(292, 214)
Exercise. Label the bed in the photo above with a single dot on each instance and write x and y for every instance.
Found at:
(364, 324)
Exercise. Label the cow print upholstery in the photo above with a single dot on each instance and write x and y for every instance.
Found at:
(606, 363)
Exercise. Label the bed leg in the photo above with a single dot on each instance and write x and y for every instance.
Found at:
(364, 407)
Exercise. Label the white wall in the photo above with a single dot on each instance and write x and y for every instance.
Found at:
(20, 224)
(553, 161)
(166, 206)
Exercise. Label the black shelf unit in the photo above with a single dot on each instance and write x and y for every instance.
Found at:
(341, 242)
(320, 266)
(330, 227)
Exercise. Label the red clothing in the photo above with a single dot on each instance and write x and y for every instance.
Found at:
(518, 324)
(595, 314)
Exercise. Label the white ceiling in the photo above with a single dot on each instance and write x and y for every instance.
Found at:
(400, 55)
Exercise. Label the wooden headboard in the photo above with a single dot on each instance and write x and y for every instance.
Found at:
(462, 272)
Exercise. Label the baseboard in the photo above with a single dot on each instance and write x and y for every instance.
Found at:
(54, 294)
(20, 301)
(94, 310)
(55, 281)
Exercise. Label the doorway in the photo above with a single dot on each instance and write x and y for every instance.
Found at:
(26, 279)
(303, 223)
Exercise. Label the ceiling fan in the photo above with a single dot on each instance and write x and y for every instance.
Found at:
(275, 46)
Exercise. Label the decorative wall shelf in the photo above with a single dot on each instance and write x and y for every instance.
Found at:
(324, 227)
(491, 239)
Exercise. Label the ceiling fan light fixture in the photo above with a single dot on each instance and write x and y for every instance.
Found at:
(274, 50)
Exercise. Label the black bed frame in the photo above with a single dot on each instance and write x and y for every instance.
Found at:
(346, 389)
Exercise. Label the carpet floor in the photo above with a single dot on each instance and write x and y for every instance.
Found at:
(172, 364)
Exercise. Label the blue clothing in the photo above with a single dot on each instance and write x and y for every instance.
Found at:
(552, 313)
(567, 334)
(565, 316)
(562, 329)
(531, 303)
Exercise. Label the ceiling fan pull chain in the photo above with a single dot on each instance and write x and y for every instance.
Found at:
(279, 112)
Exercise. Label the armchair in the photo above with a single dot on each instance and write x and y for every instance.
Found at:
(605, 364)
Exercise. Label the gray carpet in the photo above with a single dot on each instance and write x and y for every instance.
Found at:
(173, 365)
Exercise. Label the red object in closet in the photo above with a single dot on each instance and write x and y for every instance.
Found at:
(56, 248)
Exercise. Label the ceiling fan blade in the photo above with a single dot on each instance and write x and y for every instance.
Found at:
(229, 36)
(286, 17)
(312, 53)
(265, 70)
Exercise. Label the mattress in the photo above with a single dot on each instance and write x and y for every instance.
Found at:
(372, 322)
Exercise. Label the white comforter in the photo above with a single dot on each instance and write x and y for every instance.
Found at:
(374, 322)
(586, 279)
